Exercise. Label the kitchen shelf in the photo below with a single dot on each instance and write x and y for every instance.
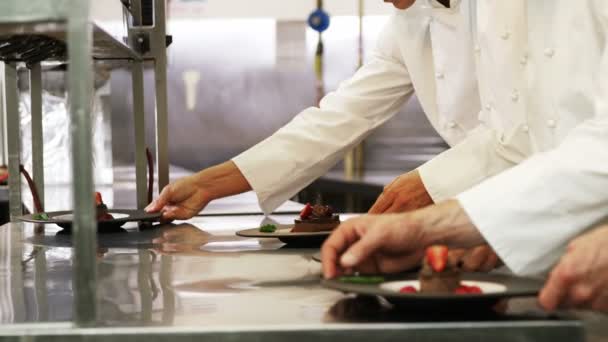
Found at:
(105, 46)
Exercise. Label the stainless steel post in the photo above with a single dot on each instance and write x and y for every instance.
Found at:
(144, 277)
(80, 81)
(40, 278)
(3, 152)
(166, 272)
(159, 50)
(37, 137)
(13, 135)
(137, 70)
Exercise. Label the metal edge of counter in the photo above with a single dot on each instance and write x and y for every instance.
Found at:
(571, 331)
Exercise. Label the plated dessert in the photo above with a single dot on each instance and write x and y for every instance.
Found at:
(314, 224)
(3, 175)
(316, 218)
(102, 210)
(439, 275)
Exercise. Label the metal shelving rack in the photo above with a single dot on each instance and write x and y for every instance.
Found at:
(69, 21)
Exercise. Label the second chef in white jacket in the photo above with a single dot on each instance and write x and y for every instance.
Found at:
(543, 68)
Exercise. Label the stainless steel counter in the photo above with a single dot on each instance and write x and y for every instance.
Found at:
(197, 280)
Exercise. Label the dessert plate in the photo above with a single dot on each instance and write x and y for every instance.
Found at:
(284, 234)
(494, 287)
(64, 218)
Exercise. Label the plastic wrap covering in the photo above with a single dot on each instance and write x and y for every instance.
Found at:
(57, 148)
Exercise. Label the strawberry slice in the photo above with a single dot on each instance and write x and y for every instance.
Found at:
(98, 200)
(475, 289)
(408, 289)
(3, 177)
(437, 257)
(462, 290)
(305, 213)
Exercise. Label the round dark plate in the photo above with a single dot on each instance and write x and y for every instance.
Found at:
(495, 287)
(284, 234)
(64, 218)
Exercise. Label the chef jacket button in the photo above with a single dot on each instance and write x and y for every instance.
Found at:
(549, 52)
(515, 96)
(489, 107)
(551, 123)
(439, 75)
(477, 48)
(525, 128)
(505, 35)
(451, 124)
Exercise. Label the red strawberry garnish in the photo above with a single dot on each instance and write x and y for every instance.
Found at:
(305, 213)
(475, 289)
(105, 217)
(408, 289)
(98, 200)
(462, 290)
(3, 177)
(437, 257)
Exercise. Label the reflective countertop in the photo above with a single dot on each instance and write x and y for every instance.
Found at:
(197, 278)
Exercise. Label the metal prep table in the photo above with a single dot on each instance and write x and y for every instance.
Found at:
(201, 282)
(38, 31)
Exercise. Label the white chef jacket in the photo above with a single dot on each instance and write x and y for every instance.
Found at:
(426, 49)
(549, 62)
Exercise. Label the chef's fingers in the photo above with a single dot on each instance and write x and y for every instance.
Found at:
(492, 261)
(579, 296)
(473, 259)
(398, 263)
(333, 247)
(455, 256)
(557, 286)
(383, 202)
(363, 248)
(160, 202)
(368, 267)
(600, 302)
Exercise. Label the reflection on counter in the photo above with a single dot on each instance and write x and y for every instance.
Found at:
(166, 275)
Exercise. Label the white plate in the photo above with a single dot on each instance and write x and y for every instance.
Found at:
(486, 287)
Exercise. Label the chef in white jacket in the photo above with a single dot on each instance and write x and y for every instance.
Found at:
(425, 50)
(550, 60)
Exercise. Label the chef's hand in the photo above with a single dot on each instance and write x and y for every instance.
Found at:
(580, 279)
(392, 243)
(181, 199)
(187, 196)
(405, 193)
(476, 259)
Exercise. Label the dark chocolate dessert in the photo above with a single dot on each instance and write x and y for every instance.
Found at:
(3, 175)
(317, 218)
(102, 209)
(438, 275)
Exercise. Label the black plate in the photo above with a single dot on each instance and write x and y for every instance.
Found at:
(63, 219)
(513, 287)
(284, 234)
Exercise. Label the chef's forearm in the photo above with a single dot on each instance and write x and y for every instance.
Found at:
(448, 224)
(222, 180)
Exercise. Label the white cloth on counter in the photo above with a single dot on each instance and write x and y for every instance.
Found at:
(530, 212)
(426, 49)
